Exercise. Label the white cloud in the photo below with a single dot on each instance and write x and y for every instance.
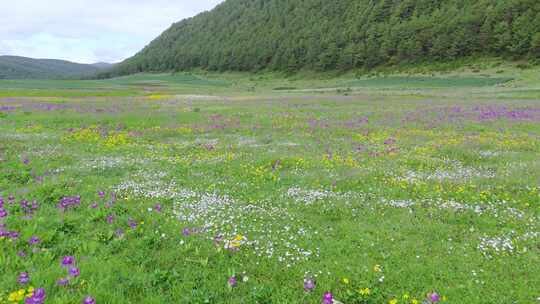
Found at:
(88, 30)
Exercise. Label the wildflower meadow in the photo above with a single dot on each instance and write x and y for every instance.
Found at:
(224, 189)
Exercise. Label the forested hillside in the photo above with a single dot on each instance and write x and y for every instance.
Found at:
(289, 35)
(15, 67)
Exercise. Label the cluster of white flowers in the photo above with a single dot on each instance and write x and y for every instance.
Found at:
(264, 227)
(150, 184)
(310, 196)
(496, 245)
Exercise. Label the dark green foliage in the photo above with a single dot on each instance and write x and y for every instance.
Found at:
(289, 35)
(14, 67)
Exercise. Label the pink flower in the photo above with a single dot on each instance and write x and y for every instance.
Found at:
(232, 281)
(328, 298)
(434, 297)
(89, 300)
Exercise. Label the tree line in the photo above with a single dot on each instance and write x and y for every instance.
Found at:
(290, 35)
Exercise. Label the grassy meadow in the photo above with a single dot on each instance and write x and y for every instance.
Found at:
(236, 188)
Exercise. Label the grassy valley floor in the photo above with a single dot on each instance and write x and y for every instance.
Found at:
(235, 188)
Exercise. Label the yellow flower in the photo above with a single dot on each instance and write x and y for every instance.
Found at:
(237, 241)
(377, 268)
(393, 301)
(16, 296)
(414, 301)
(365, 291)
(12, 296)
(346, 281)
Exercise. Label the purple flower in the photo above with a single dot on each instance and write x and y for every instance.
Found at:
(110, 218)
(74, 272)
(309, 284)
(68, 260)
(218, 239)
(3, 213)
(94, 206)
(132, 224)
(26, 161)
(62, 282)
(434, 297)
(328, 298)
(158, 207)
(21, 254)
(119, 232)
(38, 297)
(13, 235)
(186, 231)
(23, 278)
(101, 194)
(69, 202)
(232, 281)
(24, 204)
(34, 240)
(89, 300)
(390, 141)
(28, 207)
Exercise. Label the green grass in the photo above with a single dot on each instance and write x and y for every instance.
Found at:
(431, 180)
(470, 75)
(428, 82)
(123, 86)
(67, 93)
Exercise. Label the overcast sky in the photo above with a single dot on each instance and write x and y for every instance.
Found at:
(88, 31)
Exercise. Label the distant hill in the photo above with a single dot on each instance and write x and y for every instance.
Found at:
(15, 67)
(102, 65)
(289, 35)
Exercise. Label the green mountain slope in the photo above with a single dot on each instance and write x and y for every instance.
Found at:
(249, 35)
(14, 67)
